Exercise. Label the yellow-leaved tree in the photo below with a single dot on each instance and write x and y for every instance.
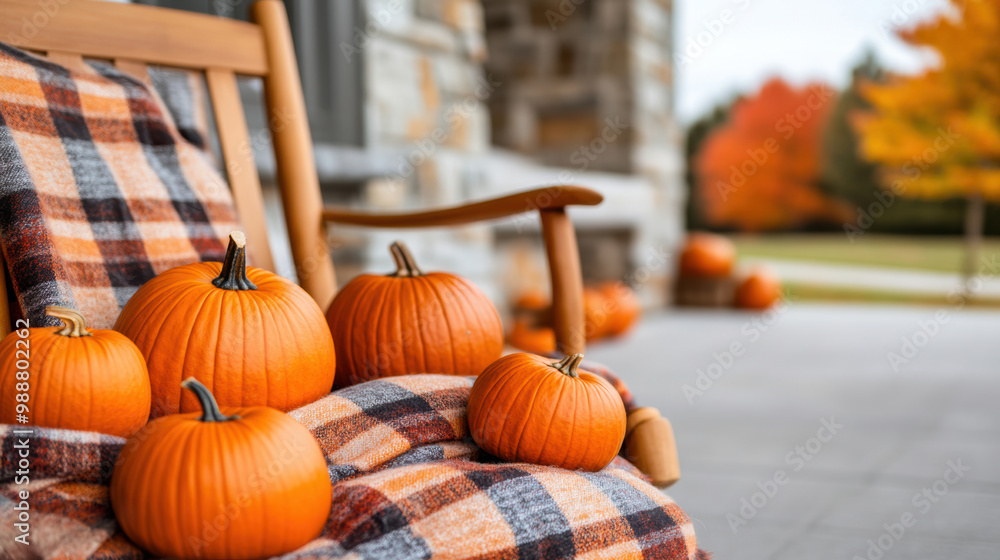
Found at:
(936, 135)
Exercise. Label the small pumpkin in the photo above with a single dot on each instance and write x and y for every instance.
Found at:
(595, 314)
(534, 339)
(75, 378)
(622, 307)
(532, 300)
(707, 255)
(759, 290)
(412, 322)
(527, 408)
(247, 483)
(250, 335)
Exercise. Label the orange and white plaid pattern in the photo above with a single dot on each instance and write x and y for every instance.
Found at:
(99, 191)
(408, 483)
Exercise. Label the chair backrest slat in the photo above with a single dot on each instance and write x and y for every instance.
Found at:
(133, 68)
(237, 151)
(153, 35)
(71, 60)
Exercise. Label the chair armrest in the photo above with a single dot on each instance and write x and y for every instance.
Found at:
(548, 198)
(557, 230)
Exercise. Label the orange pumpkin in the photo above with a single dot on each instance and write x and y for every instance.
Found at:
(705, 254)
(595, 314)
(74, 378)
(538, 340)
(759, 290)
(412, 322)
(623, 308)
(532, 409)
(532, 300)
(250, 483)
(252, 336)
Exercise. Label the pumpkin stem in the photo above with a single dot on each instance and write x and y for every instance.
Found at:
(73, 323)
(569, 364)
(234, 268)
(406, 265)
(210, 408)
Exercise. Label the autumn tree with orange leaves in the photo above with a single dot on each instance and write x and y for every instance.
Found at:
(760, 171)
(936, 135)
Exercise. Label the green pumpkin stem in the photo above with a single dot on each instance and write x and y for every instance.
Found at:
(234, 267)
(569, 364)
(73, 323)
(406, 265)
(210, 408)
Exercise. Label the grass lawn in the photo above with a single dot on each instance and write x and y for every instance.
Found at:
(810, 292)
(942, 254)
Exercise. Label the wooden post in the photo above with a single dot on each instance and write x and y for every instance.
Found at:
(567, 281)
(973, 238)
(296, 166)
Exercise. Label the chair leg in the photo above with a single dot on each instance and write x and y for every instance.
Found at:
(567, 282)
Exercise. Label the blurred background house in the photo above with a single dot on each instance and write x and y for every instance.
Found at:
(422, 103)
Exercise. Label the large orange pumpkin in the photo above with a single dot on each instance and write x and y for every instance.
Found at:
(532, 409)
(623, 308)
(759, 290)
(73, 377)
(250, 483)
(705, 254)
(412, 322)
(252, 336)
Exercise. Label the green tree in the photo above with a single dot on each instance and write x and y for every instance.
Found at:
(848, 176)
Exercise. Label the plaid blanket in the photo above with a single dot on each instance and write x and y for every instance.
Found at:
(408, 483)
(99, 189)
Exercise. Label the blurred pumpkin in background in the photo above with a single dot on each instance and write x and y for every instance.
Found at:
(759, 290)
(595, 314)
(534, 339)
(623, 307)
(706, 254)
(532, 300)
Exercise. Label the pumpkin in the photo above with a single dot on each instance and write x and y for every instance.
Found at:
(622, 306)
(247, 483)
(412, 322)
(250, 335)
(759, 290)
(705, 254)
(75, 378)
(532, 300)
(527, 408)
(595, 314)
(538, 340)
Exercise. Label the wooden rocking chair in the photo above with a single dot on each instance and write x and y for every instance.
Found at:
(134, 36)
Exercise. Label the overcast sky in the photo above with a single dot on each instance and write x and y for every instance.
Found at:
(731, 46)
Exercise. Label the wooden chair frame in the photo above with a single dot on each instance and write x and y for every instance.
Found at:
(133, 36)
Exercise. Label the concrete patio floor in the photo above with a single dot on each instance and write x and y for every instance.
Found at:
(828, 431)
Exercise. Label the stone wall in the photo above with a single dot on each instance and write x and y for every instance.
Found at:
(425, 111)
(586, 85)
